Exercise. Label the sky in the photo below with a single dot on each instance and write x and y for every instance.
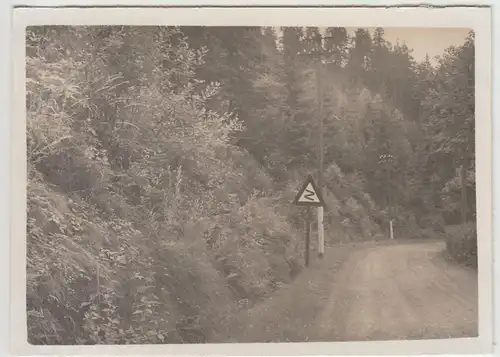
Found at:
(433, 41)
(423, 40)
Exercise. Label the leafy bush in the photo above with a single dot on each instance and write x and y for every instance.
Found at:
(461, 243)
(145, 223)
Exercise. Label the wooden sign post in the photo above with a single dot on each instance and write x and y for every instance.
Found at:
(308, 234)
(309, 196)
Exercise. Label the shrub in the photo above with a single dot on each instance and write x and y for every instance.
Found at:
(461, 243)
(145, 218)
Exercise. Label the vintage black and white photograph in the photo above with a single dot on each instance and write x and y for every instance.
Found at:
(250, 184)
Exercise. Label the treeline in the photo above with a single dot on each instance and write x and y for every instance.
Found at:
(162, 163)
(376, 100)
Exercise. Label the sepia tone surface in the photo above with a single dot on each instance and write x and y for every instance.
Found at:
(163, 163)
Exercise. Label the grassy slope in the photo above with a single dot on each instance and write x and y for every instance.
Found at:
(297, 305)
(161, 248)
(70, 236)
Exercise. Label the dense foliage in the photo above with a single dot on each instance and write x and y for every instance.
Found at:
(162, 163)
(461, 244)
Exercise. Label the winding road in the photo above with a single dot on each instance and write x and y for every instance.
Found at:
(370, 291)
(405, 291)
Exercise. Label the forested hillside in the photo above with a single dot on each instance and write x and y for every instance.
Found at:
(162, 164)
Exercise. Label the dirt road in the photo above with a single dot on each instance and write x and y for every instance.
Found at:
(403, 291)
(386, 292)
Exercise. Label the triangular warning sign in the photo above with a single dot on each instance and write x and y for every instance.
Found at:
(309, 195)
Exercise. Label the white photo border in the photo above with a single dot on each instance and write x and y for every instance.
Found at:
(478, 19)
